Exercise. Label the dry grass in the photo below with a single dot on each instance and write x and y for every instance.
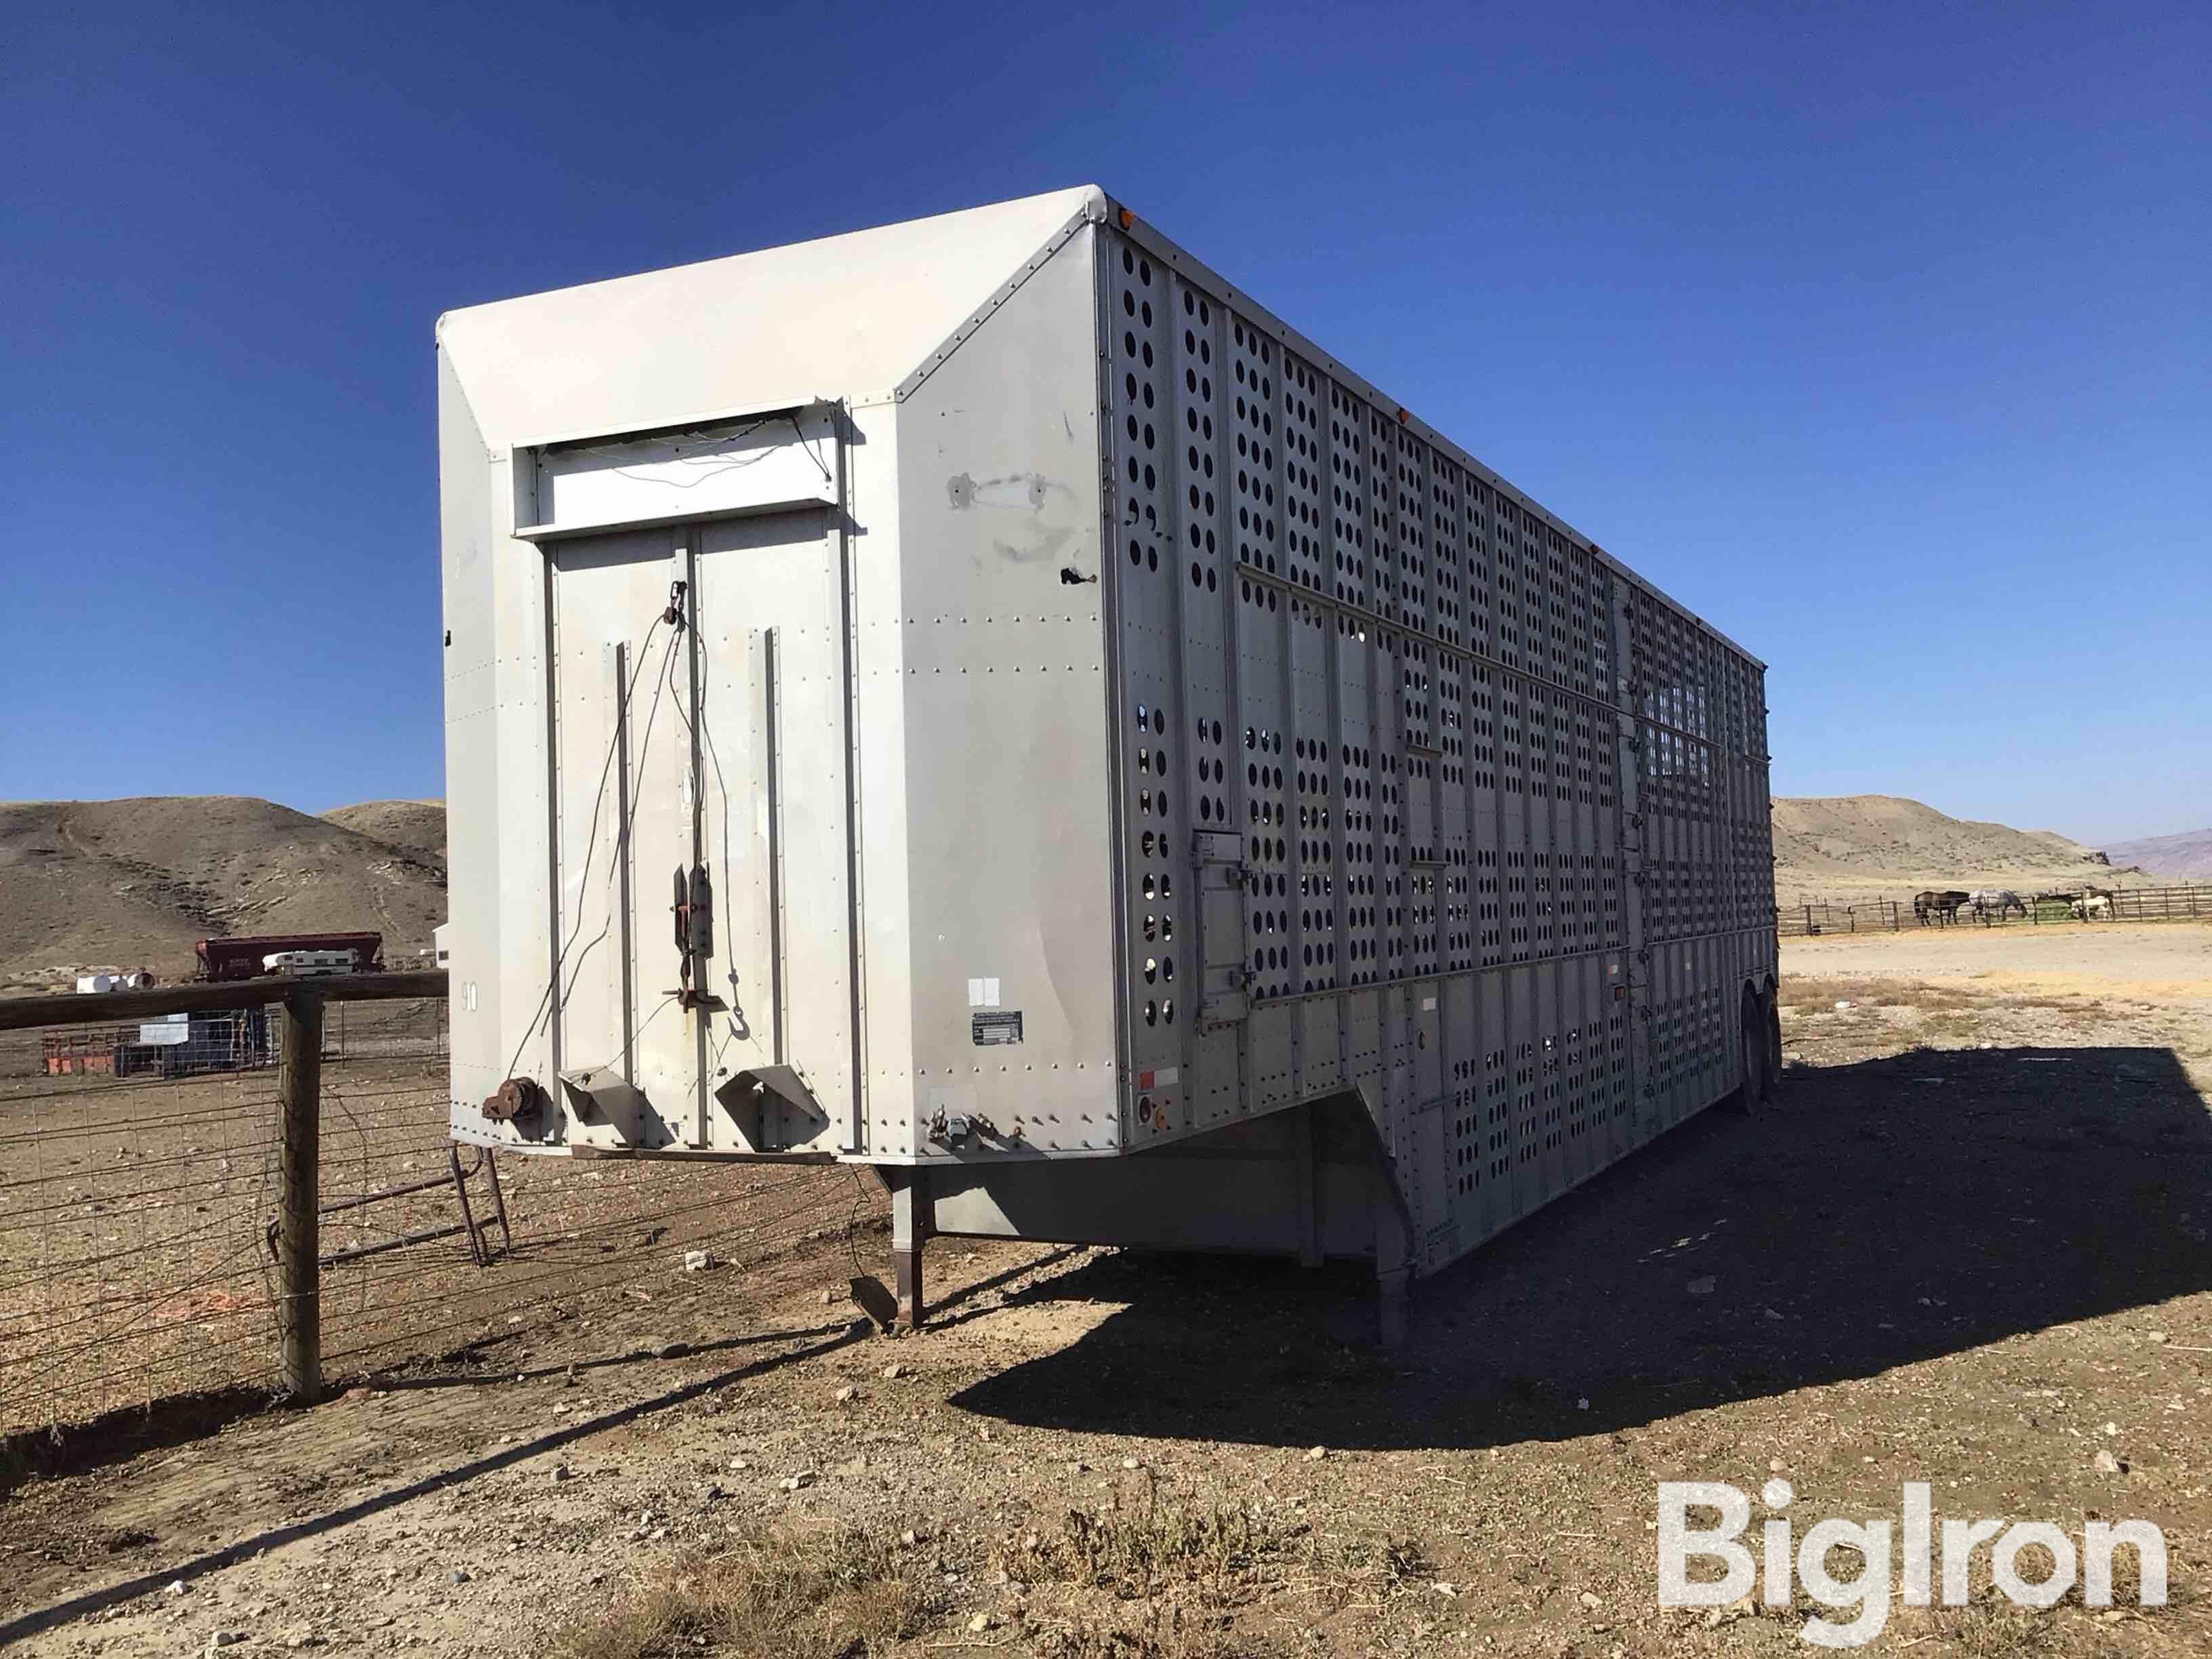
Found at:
(1135, 1553)
(1157, 1580)
(838, 1594)
(1822, 992)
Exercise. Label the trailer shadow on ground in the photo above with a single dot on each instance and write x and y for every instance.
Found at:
(1885, 1213)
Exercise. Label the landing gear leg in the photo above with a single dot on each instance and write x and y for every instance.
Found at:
(912, 1217)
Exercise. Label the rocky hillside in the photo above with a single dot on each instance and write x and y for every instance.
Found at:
(133, 883)
(418, 826)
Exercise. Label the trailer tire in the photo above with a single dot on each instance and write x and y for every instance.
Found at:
(1773, 1001)
(1753, 1089)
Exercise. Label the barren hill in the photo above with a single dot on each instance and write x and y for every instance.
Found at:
(133, 883)
(417, 826)
(1835, 846)
(2187, 856)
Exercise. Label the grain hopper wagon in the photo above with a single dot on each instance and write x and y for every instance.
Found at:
(984, 699)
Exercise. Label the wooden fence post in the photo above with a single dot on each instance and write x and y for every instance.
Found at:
(299, 1238)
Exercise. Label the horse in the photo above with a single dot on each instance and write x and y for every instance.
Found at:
(2091, 909)
(1938, 907)
(2000, 901)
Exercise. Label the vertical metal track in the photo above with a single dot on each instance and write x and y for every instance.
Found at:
(700, 1017)
(771, 773)
(552, 824)
(628, 964)
(1232, 697)
(1109, 618)
(1178, 694)
(856, 961)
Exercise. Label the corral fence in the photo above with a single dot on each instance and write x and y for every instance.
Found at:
(252, 1185)
(1887, 916)
(1873, 915)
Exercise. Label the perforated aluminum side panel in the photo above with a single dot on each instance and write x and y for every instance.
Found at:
(1396, 761)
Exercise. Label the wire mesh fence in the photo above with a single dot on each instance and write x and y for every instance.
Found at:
(140, 1193)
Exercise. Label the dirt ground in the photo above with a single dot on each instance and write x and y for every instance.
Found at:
(1968, 1247)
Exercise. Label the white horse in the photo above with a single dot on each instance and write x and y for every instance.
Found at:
(2095, 907)
(1999, 902)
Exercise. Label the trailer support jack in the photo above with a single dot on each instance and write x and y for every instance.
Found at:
(912, 1217)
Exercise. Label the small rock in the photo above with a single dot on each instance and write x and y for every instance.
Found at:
(893, 1372)
(1742, 1608)
(2108, 1464)
(1581, 1403)
(1316, 1454)
(793, 1482)
(177, 1587)
(982, 1431)
(1450, 1591)
(1843, 1007)
(672, 1350)
(848, 1395)
(1701, 1286)
(224, 1639)
(1773, 1315)
(828, 1298)
(908, 1539)
(979, 1623)
(1132, 1463)
(697, 1261)
(741, 1463)
(1774, 1466)
(2112, 1429)
(458, 1576)
(2159, 1336)
(1589, 1600)
(562, 1471)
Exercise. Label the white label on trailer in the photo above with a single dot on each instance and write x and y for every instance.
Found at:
(982, 993)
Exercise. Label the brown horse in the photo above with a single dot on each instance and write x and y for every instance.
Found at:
(1933, 907)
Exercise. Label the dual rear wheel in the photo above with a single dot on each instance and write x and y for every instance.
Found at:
(1761, 1047)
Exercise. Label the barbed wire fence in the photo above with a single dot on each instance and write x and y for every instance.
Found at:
(143, 1207)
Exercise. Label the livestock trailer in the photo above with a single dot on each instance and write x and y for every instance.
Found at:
(984, 699)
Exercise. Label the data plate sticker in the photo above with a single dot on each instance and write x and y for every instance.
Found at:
(996, 1027)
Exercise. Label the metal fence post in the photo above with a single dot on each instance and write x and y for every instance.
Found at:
(298, 1242)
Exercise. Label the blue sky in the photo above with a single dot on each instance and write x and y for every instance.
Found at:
(1877, 335)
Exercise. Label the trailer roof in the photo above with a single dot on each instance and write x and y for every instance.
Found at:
(846, 316)
(851, 317)
(1195, 270)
